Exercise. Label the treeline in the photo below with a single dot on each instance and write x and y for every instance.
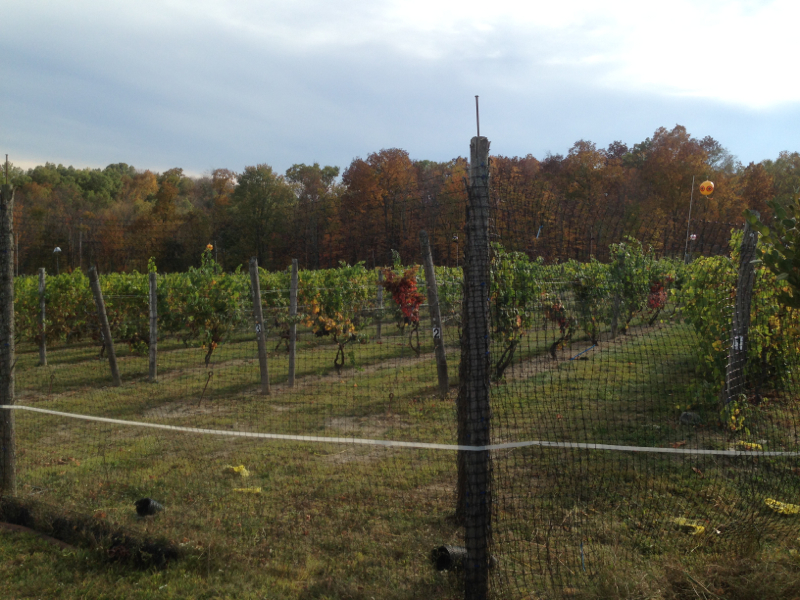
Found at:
(570, 206)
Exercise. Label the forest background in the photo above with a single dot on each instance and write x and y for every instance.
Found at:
(118, 217)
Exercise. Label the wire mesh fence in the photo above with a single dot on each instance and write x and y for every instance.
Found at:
(614, 393)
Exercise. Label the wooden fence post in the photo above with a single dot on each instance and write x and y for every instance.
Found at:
(153, 327)
(436, 316)
(740, 323)
(293, 324)
(8, 451)
(380, 305)
(474, 413)
(105, 330)
(616, 305)
(260, 329)
(42, 318)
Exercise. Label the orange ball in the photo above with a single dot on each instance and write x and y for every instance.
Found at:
(706, 188)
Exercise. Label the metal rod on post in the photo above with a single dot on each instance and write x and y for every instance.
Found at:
(740, 323)
(108, 342)
(293, 322)
(436, 316)
(477, 116)
(260, 333)
(153, 327)
(8, 450)
(688, 225)
(474, 413)
(42, 318)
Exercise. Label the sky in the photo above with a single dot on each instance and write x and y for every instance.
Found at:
(205, 84)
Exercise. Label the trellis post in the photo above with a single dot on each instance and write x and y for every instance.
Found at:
(380, 305)
(293, 322)
(436, 317)
(42, 318)
(105, 330)
(153, 327)
(260, 329)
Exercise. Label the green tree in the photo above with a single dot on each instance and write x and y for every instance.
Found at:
(317, 194)
(780, 245)
(785, 173)
(260, 207)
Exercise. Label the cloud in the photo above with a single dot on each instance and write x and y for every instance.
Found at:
(203, 84)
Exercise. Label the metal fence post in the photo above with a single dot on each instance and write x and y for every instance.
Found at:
(740, 322)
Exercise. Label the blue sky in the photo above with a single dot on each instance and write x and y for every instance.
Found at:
(205, 84)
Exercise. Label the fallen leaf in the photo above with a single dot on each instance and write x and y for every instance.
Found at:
(240, 470)
(782, 507)
(688, 526)
(741, 445)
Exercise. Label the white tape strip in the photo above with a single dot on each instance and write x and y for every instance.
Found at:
(398, 444)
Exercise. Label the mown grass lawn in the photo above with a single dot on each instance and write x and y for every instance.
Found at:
(358, 521)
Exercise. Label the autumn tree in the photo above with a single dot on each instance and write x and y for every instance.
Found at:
(442, 196)
(756, 188)
(378, 207)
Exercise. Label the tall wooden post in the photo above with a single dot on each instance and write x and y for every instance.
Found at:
(8, 451)
(380, 305)
(474, 413)
(740, 323)
(42, 317)
(94, 280)
(153, 327)
(260, 329)
(293, 323)
(616, 303)
(436, 317)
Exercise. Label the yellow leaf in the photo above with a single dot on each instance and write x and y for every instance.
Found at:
(688, 526)
(782, 507)
(240, 470)
(740, 445)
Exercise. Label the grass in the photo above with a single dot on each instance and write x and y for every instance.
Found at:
(340, 521)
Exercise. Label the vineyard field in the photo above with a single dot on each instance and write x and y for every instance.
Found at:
(581, 353)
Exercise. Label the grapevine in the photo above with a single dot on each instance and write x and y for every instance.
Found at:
(407, 297)
(335, 299)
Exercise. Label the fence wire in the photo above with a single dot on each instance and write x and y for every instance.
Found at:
(609, 413)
